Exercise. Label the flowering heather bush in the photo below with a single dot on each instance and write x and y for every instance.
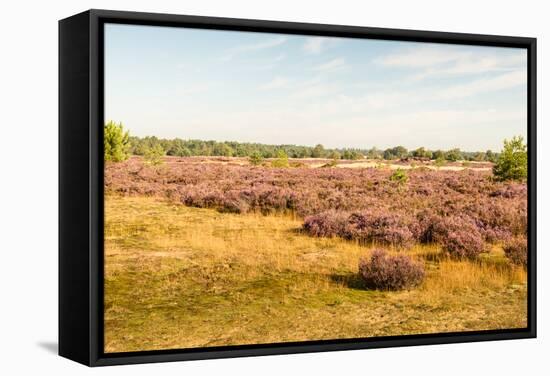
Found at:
(366, 226)
(516, 251)
(328, 224)
(434, 205)
(386, 272)
(464, 244)
(379, 227)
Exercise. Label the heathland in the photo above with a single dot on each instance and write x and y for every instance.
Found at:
(209, 251)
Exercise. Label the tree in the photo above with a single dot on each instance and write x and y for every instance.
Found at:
(116, 142)
(374, 153)
(318, 151)
(178, 148)
(153, 155)
(397, 152)
(222, 149)
(454, 155)
(256, 159)
(334, 155)
(512, 161)
(421, 152)
(490, 156)
(439, 154)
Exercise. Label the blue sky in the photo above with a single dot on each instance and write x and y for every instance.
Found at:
(288, 89)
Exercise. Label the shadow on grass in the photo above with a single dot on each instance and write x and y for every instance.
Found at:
(350, 280)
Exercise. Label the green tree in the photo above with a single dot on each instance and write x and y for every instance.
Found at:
(512, 161)
(153, 155)
(421, 152)
(334, 155)
(454, 155)
(282, 159)
(318, 151)
(116, 142)
(256, 158)
(490, 156)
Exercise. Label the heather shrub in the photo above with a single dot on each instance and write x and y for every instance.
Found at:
(387, 272)
(379, 227)
(329, 223)
(437, 203)
(462, 243)
(516, 251)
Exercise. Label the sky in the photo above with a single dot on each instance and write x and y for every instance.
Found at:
(291, 89)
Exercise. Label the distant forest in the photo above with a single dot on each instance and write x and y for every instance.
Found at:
(187, 148)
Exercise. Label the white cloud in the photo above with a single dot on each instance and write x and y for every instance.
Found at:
(420, 57)
(332, 65)
(268, 43)
(438, 61)
(315, 45)
(503, 81)
(276, 83)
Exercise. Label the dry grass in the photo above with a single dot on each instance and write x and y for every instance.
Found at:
(179, 277)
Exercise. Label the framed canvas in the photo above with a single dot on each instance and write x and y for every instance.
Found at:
(232, 187)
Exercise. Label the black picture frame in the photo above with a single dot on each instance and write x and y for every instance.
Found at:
(81, 185)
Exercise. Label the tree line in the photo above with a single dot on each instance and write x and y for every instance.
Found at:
(186, 148)
(119, 145)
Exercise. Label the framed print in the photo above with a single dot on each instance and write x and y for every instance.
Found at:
(236, 187)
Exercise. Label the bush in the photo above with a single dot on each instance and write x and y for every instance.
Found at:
(330, 223)
(516, 251)
(115, 142)
(386, 272)
(256, 159)
(281, 161)
(464, 244)
(379, 227)
(399, 176)
(512, 162)
(153, 155)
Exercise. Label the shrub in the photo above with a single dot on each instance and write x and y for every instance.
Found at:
(256, 159)
(462, 243)
(516, 251)
(386, 272)
(399, 176)
(512, 162)
(153, 155)
(329, 223)
(115, 142)
(281, 161)
(379, 227)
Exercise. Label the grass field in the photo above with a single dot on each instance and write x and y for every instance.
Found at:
(182, 277)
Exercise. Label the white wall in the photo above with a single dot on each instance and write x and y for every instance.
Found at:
(28, 208)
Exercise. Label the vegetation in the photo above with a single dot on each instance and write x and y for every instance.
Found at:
(186, 148)
(215, 244)
(181, 277)
(281, 161)
(153, 155)
(256, 159)
(399, 176)
(516, 250)
(512, 162)
(388, 272)
(115, 142)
